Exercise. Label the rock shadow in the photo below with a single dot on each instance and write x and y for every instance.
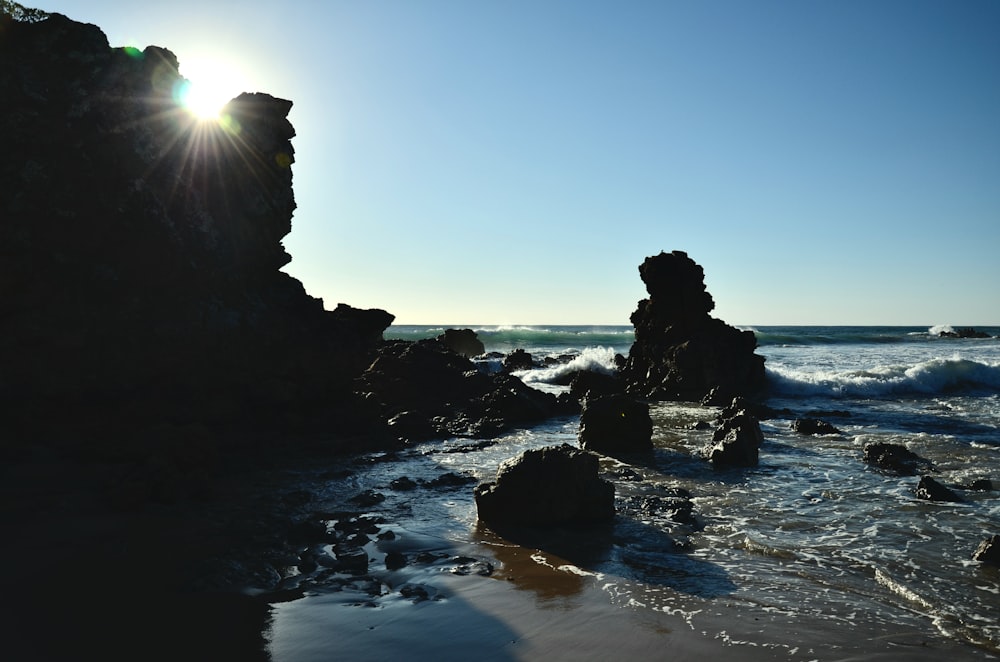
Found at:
(625, 547)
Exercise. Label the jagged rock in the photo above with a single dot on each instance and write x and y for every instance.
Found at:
(896, 458)
(988, 551)
(813, 426)
(518, 360)
(736, 441)
(552, 485)
(931, 490)
(463, 341)
(442, 393)
(616, 425)
(680, 352)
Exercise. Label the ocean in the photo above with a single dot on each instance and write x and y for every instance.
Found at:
(811, 555)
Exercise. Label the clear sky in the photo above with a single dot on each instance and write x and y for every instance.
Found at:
(514, 161)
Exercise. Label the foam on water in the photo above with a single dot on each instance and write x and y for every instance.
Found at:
(926, 377)
(844, 560)
(596, 359)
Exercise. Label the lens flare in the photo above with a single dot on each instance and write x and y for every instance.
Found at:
(209, 84)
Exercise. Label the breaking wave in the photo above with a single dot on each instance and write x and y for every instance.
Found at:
(925, 378)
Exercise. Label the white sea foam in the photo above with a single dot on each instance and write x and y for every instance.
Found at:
(596, 359)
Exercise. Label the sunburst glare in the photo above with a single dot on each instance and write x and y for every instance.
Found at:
(208, 86)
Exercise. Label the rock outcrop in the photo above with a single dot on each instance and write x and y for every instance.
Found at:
(463, 341)
(424, 389)
(547, 486)
(680, 352)
(737, 440)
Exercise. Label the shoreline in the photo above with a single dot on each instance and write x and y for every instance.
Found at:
(114, 582)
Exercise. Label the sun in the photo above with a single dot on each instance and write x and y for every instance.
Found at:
(209, 84)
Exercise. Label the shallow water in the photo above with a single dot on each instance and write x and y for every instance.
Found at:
(810, 555)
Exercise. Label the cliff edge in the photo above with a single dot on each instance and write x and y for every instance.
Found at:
(140, 251)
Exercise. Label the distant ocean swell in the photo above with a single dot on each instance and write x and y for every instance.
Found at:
(846, 335)
(934, 376)
(506, 338)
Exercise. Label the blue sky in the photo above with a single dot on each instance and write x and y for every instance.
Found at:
(486, 162)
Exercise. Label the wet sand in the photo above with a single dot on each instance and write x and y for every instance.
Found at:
(537, 606)
(82, 581)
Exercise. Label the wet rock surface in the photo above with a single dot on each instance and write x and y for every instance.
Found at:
(895, 458)
(988, 552)
(552, 485)
(931, 490)
(813, 426)
(737, 439)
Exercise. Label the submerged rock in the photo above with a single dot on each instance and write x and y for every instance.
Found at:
(895, 458)
(931, 490)
(551, 485)
(680, 352)
(813, 426)
(616, 425)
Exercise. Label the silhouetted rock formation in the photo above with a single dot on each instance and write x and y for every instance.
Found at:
(140, 252)
(680, 352)
(463, 341)
(545, 486)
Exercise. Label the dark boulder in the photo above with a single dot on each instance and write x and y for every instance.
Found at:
(546, 486)
(895, 458)
(737, 441)
(463, 341)
(680, 352)
(988, 551)
(518, 360)
(813, 426)
(615, 425)
(931, 490)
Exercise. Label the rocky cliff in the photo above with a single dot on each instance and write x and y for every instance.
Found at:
(140, 252)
